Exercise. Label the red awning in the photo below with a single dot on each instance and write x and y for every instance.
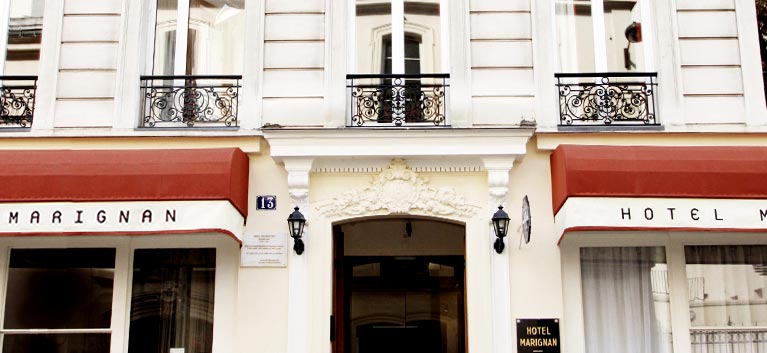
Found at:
(125, 175)
(688, 172)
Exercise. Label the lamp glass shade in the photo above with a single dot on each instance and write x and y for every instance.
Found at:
(501, 222)
(296, 223)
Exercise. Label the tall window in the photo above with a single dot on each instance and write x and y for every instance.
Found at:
(20, 48)
(198, 37)
(399, 36)
(624, 308)
(603, 35)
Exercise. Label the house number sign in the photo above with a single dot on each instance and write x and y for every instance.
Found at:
(266, 202)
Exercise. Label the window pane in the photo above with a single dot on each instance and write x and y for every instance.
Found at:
(575, 35)
(622, 56)
(727, 285)
(165, 37)
(24, 35)
(58, 343)
(423, 36)
(59, 288)
(215, 38)
(625, 300)
(172, 300)
(373, 22)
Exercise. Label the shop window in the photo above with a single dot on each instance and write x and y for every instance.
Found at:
(63, 300)
(21, 23)
(624, 308)
(59, 300)
(172, 300)
(399, 55)
(196, 63)
(728, 307)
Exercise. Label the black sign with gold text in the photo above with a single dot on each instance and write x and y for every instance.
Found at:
(538, 336)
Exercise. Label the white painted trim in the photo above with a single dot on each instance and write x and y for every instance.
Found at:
(750, 63)
(572, 324)
(182, 34)
(678, 299)
(250, 112)
(398, 36)
(48, 71)
(544, 64)
(668, 64)
(600, 46)
(5, 20)
(344, 143)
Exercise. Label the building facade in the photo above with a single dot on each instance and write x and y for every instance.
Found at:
(154, 149)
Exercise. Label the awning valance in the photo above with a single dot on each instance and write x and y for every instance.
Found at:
(125, 175)
(658, 172)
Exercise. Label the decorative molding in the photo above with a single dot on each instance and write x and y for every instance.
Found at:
(497, 180)
(397, 190)
(298, 180)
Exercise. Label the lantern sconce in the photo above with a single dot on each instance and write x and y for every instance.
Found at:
(501, 227)
(296, 223)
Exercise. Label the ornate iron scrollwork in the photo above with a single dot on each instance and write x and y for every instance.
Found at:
(398, 100)
(628, 100)
(17, 100)
(177, 101)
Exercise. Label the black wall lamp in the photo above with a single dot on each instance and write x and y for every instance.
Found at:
(296, 223)
(501, 226)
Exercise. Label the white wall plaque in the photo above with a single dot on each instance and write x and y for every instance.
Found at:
(264, 250)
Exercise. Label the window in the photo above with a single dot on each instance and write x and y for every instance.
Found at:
(624, 308)
(196, 64)
(399, 37)
(603, 35)
(66, 294)
(626, 296)
(21, 46)
(71, 300)
(399, 49)
(728, 307)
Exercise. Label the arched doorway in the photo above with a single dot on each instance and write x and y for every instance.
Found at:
(399, 286)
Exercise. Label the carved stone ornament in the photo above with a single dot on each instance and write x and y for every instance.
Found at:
(398, 190)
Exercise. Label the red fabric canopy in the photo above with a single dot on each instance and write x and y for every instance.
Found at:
(627, 171)
(125, 175)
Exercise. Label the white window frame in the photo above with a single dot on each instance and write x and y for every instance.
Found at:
(225, 292)
(397, 31)
(573, 329)
(5, 21)
(600, 33)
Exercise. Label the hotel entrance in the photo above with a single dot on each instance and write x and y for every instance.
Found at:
(399, 287)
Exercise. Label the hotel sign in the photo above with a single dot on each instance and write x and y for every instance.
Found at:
(595, 213)
(538, 336)
(52, 218)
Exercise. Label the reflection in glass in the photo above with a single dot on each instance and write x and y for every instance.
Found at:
(172, 300)
(727, 285)
(622, 56)
(406, 304)
(376, 41)
(625, 300)
(213, 32)
(575, 35)
(59, 289)
(24, 35)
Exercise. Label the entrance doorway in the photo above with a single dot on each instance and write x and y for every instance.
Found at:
(399, 287)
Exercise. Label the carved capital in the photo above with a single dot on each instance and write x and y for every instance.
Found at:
(397, 190)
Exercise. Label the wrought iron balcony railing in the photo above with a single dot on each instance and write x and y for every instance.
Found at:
(398, 100)
(191, 101)
(728, 340)
(17, 101)
(607, 99)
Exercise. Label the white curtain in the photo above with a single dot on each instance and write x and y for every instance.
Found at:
(619, 306)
